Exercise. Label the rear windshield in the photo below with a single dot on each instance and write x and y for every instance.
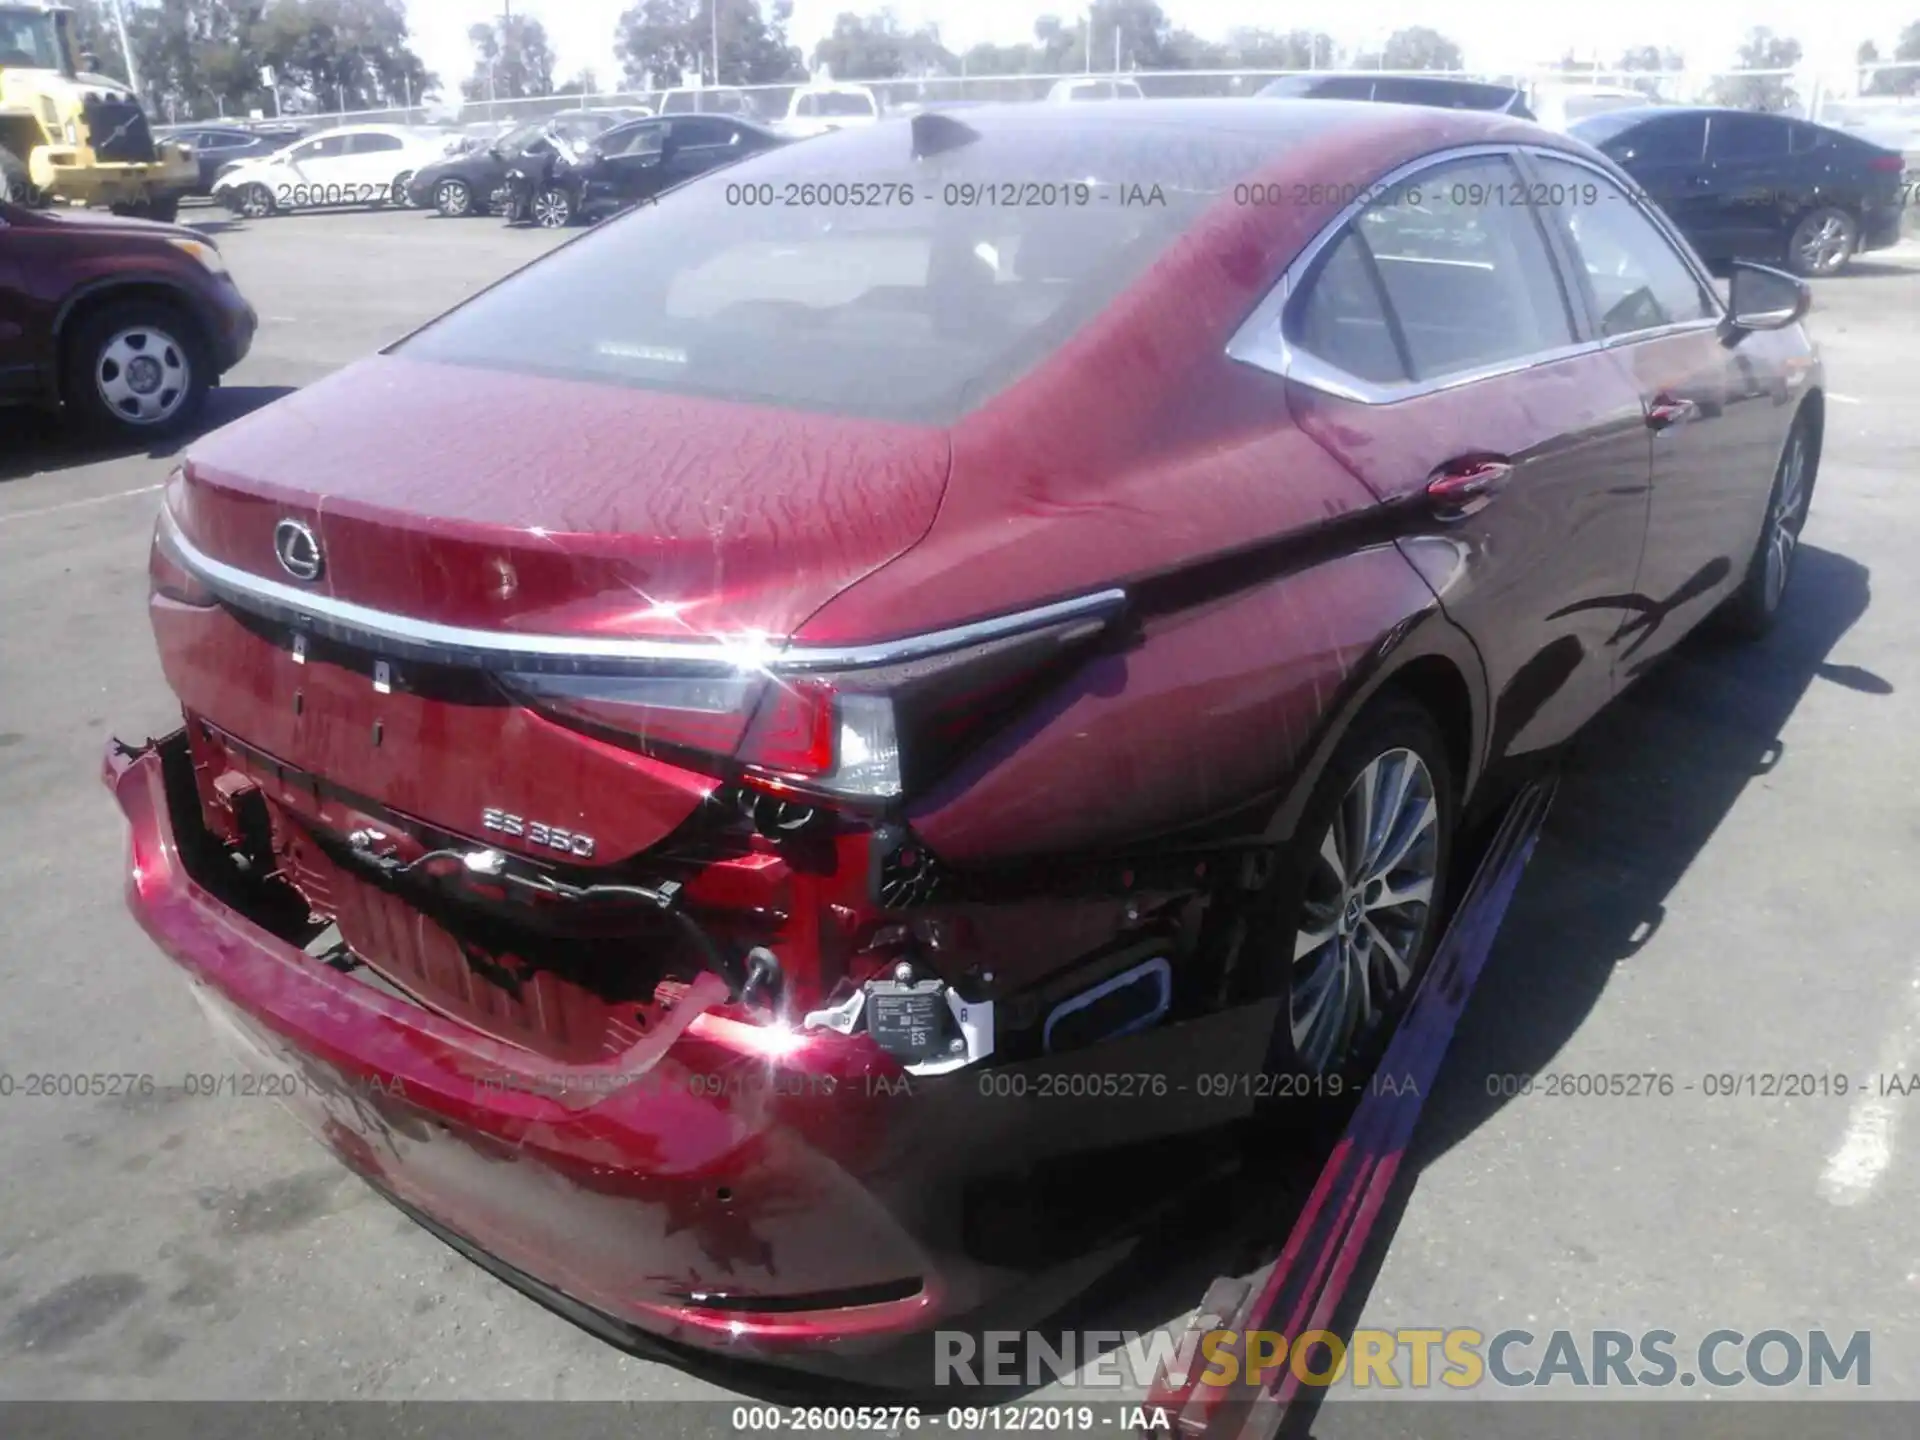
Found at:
(841, 275)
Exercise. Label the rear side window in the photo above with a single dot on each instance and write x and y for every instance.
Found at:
(1746, 137)
(702, 130)
(1804, 139)
(642, 140)
(1342, 320)
(1665, 140)
(327, 149)
(372, 144)
(1464, 269)
(1639, 281)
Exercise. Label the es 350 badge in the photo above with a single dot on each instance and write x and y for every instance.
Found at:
(538, 832)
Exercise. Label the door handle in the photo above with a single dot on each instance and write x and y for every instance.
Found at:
(1666, 411)
(1463, 487)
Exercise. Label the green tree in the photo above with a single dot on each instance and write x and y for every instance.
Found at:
(1271, 50)
(1650, 58)
(877, 47)
(663, 42)
(1420, 48)
(1894, 82)
(337, 54)
(94, 34)
(512, 60)
(987, 59)
(1762, 50)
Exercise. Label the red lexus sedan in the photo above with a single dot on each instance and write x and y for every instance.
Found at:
(921, 658)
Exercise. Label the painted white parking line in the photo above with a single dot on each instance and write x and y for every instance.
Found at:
(78, 504)
(1847, 399)
(1866, 1148)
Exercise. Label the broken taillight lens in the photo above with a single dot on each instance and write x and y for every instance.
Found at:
(870, 734)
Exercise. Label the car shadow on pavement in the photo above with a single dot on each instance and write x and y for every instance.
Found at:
(35, 443)
(1640, 795)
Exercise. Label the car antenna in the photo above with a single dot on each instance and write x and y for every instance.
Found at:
(935, 134)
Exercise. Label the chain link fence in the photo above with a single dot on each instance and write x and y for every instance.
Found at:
(1805, 91)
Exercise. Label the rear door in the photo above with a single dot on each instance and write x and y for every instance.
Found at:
(374, 161)
(1754, 185)
(1709, 414)
(1435, 351)
(632, 163)
(698, 144)
(19, 366)
(312, 168)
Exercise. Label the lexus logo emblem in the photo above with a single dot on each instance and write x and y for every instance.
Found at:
(298, 549)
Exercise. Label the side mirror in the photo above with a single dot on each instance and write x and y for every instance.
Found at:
(1763, 298)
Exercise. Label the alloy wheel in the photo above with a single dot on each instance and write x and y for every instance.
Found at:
(552, 210)
(256, 202)
(453, 198)
(143, 375)
(1826, 246)
(1366, 907)
(1785, 518)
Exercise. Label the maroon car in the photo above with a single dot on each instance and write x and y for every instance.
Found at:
(124, 323)
(930, 656)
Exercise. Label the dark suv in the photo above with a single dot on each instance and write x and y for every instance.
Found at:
(123, 323)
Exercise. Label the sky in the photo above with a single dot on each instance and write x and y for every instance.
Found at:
(1494, 37)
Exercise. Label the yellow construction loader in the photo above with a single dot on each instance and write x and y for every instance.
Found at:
(79, 138)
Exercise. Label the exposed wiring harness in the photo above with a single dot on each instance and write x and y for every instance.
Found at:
(762, 967)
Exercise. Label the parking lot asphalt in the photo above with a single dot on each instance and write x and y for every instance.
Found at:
(1725, 888)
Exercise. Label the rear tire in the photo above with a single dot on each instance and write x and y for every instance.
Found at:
(553, 209)
(1346, 926)
(1823, 242)
(136, 371)
(1750, 611)
(253, 202)
(454, 199)
(398, 196)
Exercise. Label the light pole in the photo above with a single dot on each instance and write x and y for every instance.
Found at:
(126, 47)
(713, 14)
(1089, 44)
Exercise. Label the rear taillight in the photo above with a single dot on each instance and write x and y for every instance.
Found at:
(1887, 164)
(863, 733)
(167, 575)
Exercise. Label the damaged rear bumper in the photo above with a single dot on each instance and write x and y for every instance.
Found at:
(789, 1196)
(718, 1184)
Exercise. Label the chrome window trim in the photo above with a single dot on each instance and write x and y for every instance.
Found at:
(1261, 339)
(397, 636)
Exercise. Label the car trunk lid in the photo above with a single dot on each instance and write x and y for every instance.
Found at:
(471, 500)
